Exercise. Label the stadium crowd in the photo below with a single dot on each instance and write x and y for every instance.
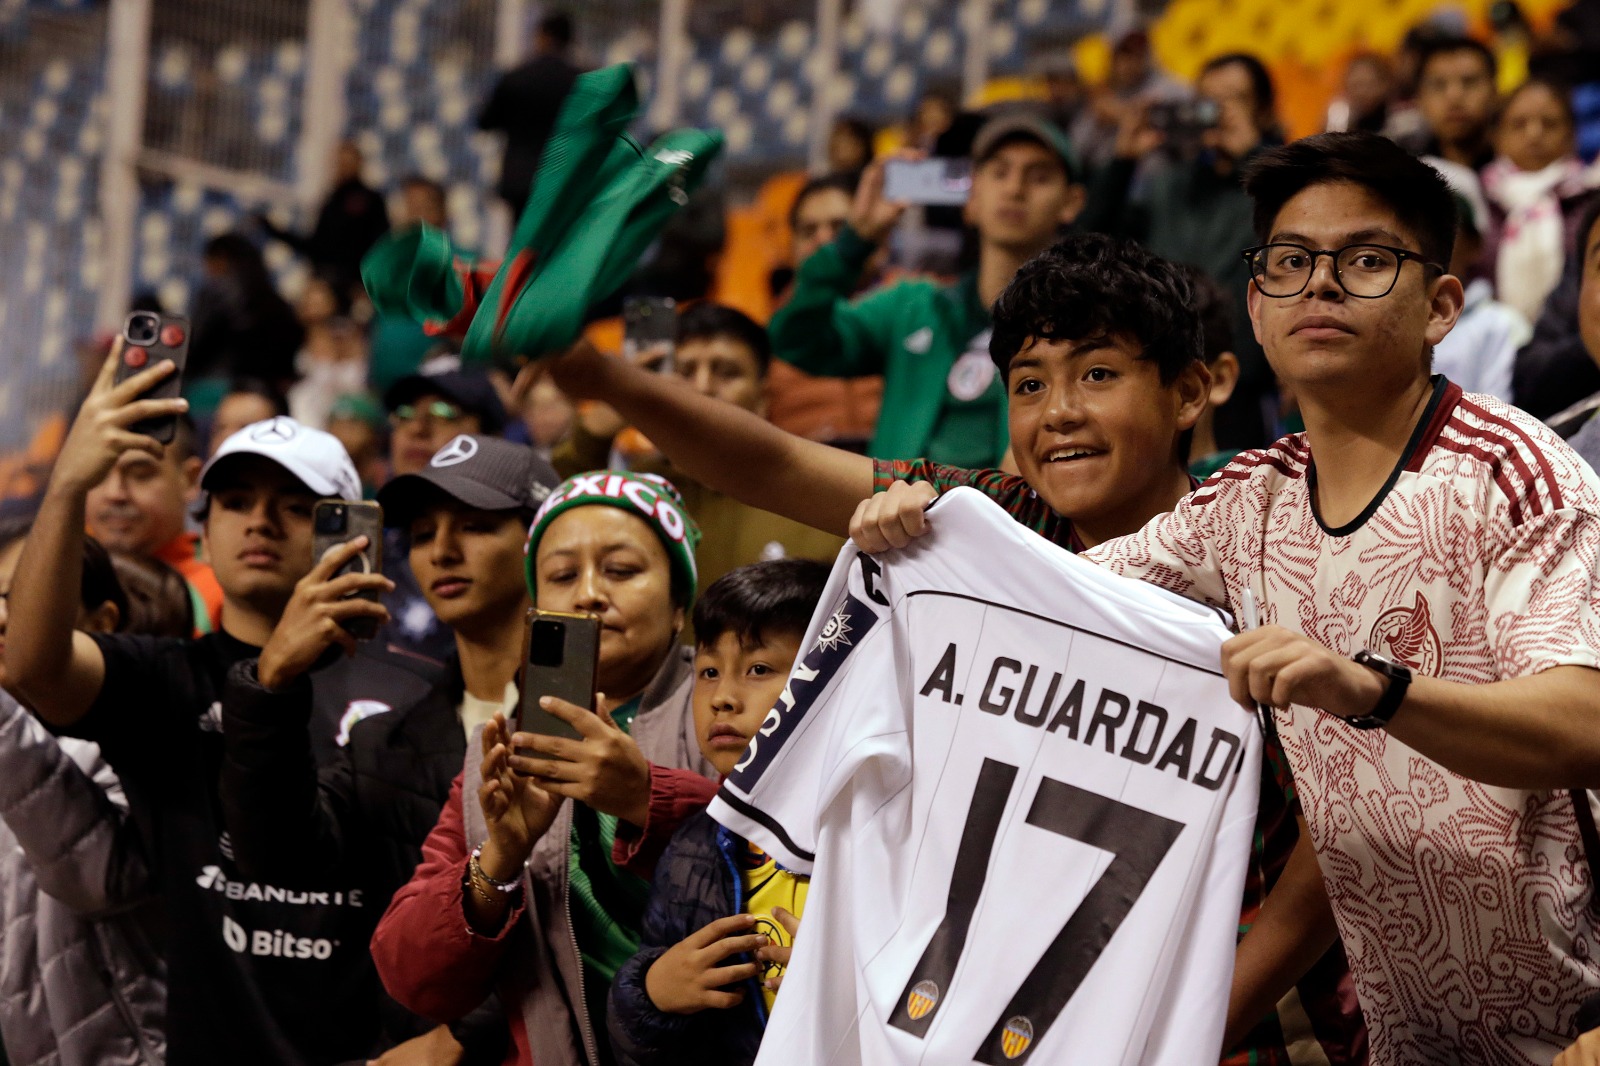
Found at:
(1158, 333)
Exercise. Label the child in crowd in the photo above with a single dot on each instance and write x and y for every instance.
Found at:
(1537, 188)
(717, 899)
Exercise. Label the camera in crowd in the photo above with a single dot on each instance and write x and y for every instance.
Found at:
(1182, 123)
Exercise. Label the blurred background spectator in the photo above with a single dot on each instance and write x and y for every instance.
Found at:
(525, 103)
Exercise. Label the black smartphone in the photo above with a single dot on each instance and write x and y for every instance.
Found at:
(339, 522)
(560, 655)
(147, 339)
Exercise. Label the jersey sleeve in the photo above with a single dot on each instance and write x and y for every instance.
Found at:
(1175, 551)
(1542, 591)
(841, 709)
(1004, 489)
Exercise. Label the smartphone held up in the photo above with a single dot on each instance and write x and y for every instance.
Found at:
(938, 182)
(147, 339)
(650, 331)
(335, 522)
(561, 653)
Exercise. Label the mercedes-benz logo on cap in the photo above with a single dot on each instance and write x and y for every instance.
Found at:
(458, 450)
(275, 431)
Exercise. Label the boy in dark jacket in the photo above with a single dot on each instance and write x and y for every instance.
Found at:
(721, 917)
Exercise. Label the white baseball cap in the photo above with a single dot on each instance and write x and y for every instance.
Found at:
(315, 457)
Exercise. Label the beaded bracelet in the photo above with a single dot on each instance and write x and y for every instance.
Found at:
(475, 873)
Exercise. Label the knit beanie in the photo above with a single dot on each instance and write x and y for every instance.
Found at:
(650, 496)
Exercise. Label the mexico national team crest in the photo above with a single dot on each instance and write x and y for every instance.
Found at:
(1016, 1036)
(923, 997)
(1406, 634)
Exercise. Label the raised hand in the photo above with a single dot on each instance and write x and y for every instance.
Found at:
(100, 433)
(871, 216)
(515, 808)
(314, 619)
(605, 770)
(892, 518)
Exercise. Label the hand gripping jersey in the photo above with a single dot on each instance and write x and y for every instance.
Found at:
(1025, 800)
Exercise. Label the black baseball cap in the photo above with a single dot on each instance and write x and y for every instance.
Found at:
(471, 390)
(487, 473)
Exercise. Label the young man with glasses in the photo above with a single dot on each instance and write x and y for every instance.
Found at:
(427, 410)
(1427, 568)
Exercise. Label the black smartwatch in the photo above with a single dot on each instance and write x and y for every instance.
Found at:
(1399, 676)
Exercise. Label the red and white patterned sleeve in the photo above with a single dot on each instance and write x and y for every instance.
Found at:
(1542, 591)
(1174, 551)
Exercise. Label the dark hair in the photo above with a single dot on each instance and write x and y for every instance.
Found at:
(704, 321)
(558, 27)
(773, 597)
(1431, 48)
(1261, 85)
(1215, 312)
(99, 584)
(1091, 285)
(845, 183)
(257, 387)
(158, 599)
(342, 303)
(860, 129)
(1562, 93)
(1413, 190)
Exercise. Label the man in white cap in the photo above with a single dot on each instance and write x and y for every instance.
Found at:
(257, 973)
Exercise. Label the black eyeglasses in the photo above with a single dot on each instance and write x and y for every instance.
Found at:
(1367, 271)
(440, 409)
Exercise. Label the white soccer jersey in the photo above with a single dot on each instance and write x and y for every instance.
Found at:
(1465, 908)
(1026, 801)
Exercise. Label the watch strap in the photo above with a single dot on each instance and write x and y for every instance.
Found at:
(1388, 703)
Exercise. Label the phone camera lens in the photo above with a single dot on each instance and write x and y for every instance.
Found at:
(142, 328)
(331, 520)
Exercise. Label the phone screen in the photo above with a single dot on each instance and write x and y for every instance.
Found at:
(934, 182)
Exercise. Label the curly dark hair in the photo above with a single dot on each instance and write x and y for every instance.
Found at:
(1092, 285)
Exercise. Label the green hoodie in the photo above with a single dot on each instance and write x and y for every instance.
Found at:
(915, 333)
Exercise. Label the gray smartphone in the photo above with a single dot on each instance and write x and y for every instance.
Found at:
(338, 522)
(561, 653)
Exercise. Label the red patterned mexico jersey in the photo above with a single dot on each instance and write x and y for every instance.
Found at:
(1463, 907)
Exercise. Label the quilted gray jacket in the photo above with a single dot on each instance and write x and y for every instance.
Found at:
(81, 981)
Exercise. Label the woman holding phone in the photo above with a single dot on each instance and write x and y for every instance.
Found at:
(521, 891)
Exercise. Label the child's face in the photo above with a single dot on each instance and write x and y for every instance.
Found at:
(1534, 131)
(1094, 431)
(734, 688)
